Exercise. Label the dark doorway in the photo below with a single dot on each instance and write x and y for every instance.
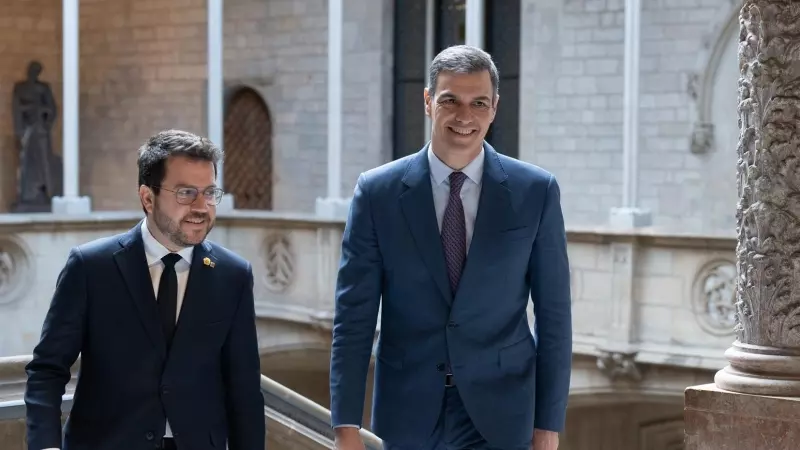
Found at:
(502, 41)
(247, 171)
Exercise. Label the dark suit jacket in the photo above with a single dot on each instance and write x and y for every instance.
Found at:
(510, 380)
(105, 309)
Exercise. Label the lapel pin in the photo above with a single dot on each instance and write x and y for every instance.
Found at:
(207, 261)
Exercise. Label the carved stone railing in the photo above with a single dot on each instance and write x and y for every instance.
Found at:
(639, 297)
(294, 259)
(293, 421)
(644, 297)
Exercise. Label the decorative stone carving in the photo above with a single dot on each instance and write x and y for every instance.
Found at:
(702, 137)
(765, 358)
(617, 365)
(279, 262)
(714, 297)
(13, 270)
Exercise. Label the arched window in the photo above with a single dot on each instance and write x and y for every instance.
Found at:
(247, 171)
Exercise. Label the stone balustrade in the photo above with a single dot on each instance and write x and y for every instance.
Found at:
(639, 297)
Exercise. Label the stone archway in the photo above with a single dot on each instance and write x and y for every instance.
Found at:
(248, 168)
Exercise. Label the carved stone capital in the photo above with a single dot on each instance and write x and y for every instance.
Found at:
(618, 365)
(766, 356)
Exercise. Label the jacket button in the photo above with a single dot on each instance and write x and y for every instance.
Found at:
(452, 324)
(149, 435)
(440, 367)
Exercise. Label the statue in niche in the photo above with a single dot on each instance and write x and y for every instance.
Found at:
(39, 170)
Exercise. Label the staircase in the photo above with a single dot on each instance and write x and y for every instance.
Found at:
(293, 421)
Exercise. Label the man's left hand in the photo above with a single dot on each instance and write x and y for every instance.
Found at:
(544, 440)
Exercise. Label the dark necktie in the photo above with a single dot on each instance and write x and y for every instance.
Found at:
(168, 296)
(454, 231)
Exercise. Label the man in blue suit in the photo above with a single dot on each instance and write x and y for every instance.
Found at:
(454, 240)
(163, 320)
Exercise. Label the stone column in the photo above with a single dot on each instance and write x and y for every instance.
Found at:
(71, 202)
(334, 205)
(629, 215)
(755, 400)
(216, 89)
(765, 358)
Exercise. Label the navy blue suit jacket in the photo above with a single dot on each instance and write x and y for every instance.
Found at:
(510, 380)
(105, 309)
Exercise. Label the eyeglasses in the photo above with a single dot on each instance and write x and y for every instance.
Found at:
(188, 195)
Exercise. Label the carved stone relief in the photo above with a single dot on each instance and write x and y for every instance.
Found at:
(765, 357)
(279, 257)
(13, 269)
(617, 365)
(714, 297)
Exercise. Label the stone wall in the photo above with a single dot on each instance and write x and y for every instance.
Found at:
(571, 107)
(143, 69)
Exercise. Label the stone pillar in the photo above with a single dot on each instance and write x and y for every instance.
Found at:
(216, 89)
(334, 205)
(751, 404)
(71, 202)
(629, 215)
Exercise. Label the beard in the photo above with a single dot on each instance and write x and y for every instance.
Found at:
(172, 229)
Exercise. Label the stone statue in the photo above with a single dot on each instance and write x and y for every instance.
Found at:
(39, 173)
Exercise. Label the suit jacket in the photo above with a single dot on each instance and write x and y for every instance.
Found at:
(510, 379)
(105, 309)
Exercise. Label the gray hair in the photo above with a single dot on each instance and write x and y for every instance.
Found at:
(463, 59)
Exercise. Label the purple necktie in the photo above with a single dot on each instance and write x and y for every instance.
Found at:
(454, 231)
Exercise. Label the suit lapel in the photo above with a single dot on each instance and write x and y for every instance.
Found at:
(132, 265)
(420, 214)
(495, 213)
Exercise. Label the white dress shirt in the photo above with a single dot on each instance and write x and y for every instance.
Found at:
(154, 251)
(470, 191)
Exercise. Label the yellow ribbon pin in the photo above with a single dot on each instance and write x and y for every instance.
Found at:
(207, 261)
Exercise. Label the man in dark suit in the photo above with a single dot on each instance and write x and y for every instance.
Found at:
(163, 320)
(454, 240)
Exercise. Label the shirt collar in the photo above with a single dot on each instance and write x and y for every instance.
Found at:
(154, 250)
(441, 171)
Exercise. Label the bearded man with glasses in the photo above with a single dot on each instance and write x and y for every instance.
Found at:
(164, 322)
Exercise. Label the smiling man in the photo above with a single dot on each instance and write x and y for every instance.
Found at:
(163, 320)
(454, 241)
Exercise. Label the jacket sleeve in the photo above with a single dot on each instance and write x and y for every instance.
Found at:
(552, 304)
(242, 375)
(358, 292)
(58, 348)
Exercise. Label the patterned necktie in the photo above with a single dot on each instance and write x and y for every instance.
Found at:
(454, 231)
(168, 296)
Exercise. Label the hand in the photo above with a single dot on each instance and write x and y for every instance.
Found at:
(544, 440)
(348, 438)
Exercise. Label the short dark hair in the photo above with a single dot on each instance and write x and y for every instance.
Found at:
(154, 153)
(464, 59)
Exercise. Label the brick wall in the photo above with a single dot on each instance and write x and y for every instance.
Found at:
(571, 109)
(29, 30)
(281, 48)
(143, 69)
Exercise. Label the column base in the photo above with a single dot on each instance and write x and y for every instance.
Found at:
(227, 204)
(715, 419)
(760, 370)
(333, 208)
(72, 205)
(626, 218)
